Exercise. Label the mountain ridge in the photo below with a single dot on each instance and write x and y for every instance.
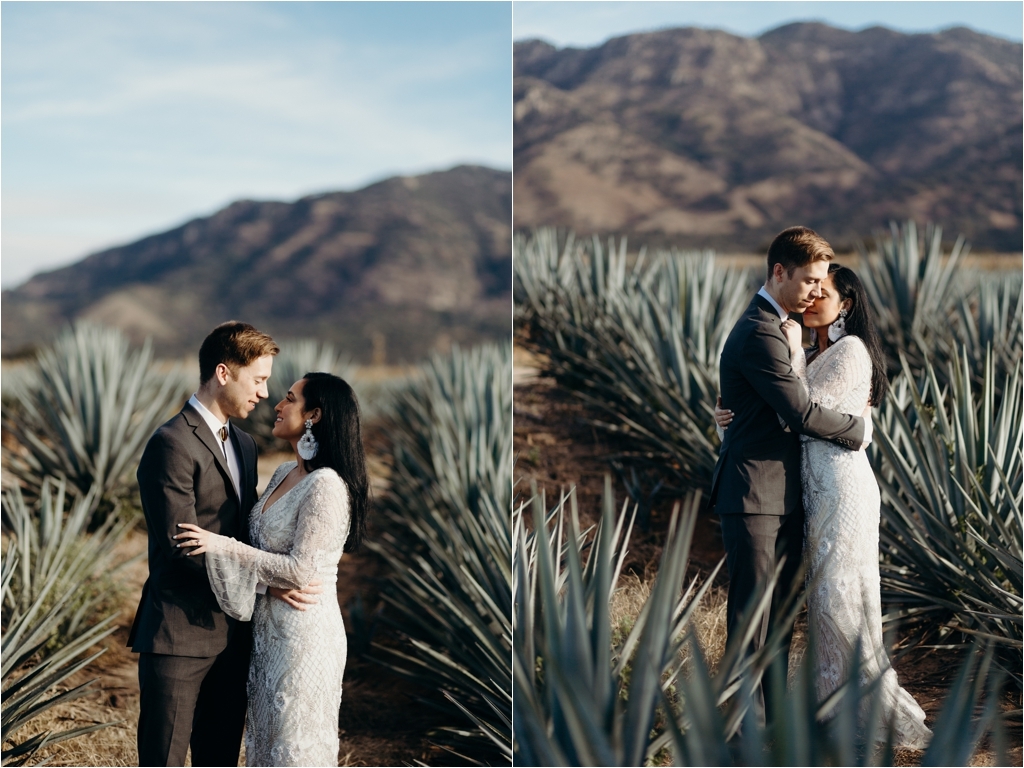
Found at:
(710, 139)
(419, 261)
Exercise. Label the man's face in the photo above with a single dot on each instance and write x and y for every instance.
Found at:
(798, 292)
(242, 389)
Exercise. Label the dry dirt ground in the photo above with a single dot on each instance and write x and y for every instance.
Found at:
(382, 720)
(556, 449)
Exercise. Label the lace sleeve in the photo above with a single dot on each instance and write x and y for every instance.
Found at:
(844, 383)
(798, 360)
(234, 568)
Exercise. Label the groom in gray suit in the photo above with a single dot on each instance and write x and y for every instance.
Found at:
(198, 468)
(756, 487)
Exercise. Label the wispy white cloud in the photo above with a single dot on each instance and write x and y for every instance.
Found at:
(214, 101)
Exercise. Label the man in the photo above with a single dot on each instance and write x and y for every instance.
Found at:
(197, 468)
(756, 484)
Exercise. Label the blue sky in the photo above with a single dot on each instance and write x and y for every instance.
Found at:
(584, 24)
(124, 119)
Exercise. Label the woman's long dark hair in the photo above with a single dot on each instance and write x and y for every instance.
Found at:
(859, 324)
(340, 444)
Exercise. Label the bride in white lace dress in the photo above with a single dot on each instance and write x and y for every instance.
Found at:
(844, 372)
(299, 528)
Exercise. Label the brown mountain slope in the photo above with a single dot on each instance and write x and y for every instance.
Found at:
(413, 262)
(718, 140)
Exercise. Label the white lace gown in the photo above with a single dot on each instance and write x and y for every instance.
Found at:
(841, 502)
(298, 657)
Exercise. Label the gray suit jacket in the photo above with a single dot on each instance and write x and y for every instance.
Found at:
(183, 478)
(758, 470)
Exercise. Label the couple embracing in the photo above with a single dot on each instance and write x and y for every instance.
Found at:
(239, 623)
(793, 480)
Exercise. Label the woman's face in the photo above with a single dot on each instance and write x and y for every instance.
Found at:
(291, 416)
(825, 308)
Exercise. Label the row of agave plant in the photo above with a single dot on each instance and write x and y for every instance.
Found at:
(638, 338)
(446, 531)
(55, 578)
(584, 696)
(76, 419)
(84, 408)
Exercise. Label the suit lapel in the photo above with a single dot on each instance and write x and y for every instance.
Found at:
(202, 431)
(247, 475)
(247, 481)
(766, 306)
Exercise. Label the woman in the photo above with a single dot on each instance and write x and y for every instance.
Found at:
(312, 509)
(843, 372)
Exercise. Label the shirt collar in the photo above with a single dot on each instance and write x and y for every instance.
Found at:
(211, 421)
(782, 313)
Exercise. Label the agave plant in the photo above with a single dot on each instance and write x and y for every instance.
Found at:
(990, 317)
(948, 462)
(543, 268)
(446, 533)
(640, 343)
(295, 360)
(85, 409)
(50, 596)
(912, 292)
(580, 700)
(847, 729)
(584, 698)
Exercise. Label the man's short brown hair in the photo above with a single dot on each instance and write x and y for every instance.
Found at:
(797, 247)
(236, 345)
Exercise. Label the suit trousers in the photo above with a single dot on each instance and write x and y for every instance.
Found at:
(194, 701)
(754, 545)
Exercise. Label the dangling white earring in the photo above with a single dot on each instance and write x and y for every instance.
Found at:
(307, 443)
(837, 330)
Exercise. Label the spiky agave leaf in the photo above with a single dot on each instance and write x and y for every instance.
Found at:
(989, 317)
(447, 535)
(542, 269)
(912, 291)
(948, 462)
(53, 552)
(639, 341)
(87, 408)
(579, 700)
(50, 593)
(850, 729)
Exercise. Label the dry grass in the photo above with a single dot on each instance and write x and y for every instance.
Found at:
(708, 621)
(112, 746)
(627, 600)
(116, 745)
